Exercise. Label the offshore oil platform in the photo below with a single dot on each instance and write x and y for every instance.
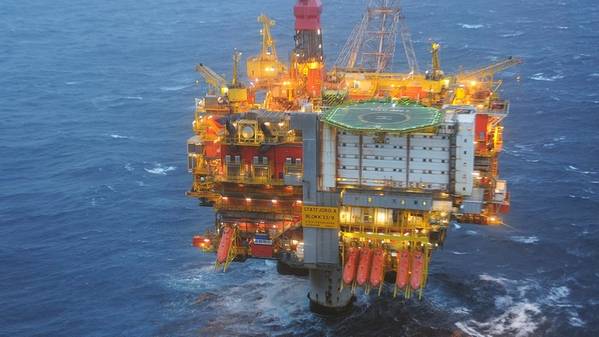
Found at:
(349, 174)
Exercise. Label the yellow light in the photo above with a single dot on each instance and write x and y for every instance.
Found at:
(294, 242)
(267, 123)
(274, 201)
(281, 124)
(287, 83)
(299, 201)
(225, 198)
(473, 83)
(248, 199)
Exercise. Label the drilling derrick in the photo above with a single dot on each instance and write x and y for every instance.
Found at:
(371, 45)
(307, 57)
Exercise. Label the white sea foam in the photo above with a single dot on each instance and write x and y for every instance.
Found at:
(71, 82)
(173, 88)
(138, 98)
(117, 136)
(543, 77)
(461, 310)
(525, 239)
(520, 320)
(456, 225)
(514, 34)
(458, 253)
(500, 280)
(129, 168)
(159, 169)
(471, 26)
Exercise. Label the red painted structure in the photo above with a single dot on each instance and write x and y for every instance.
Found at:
(307, 14)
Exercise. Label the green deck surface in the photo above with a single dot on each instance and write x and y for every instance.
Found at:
(384, 117)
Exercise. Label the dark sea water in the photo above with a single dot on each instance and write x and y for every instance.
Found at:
(96, 103)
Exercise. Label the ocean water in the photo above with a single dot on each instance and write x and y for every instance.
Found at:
(96, 101)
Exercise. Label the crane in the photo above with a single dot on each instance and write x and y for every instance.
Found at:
(487, 73)
(215, 81)
(266, 66)
(269, 51)
(435, 73)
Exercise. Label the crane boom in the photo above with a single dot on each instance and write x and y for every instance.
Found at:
(490, 70)
(214, 80)
(269, 51)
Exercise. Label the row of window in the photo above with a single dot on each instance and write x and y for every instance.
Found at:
(259, 160)
(400, 147)
(370, 157)
(383, 169)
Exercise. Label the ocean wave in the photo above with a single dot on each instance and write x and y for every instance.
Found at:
(159, 169)
(129, 168)
(514, 34)
(573, 168)
(458, 253)
(470, 26)
(138, 98)
(521, 319)
(543, 77)
(525, 239)
(117, 136)
(174, 88)
(456, 225)
(499, 280)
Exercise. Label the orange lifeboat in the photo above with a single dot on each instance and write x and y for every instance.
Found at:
(351, 265)
(403, 268)
(417, 267)
(224, 245)
(364, 266)
(378, 263)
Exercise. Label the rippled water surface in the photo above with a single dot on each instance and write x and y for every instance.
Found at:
(96, 104)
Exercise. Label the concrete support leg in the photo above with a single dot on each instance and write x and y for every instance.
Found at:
(325, 296)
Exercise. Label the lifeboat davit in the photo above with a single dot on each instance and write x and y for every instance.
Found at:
(351, 265)
(364, 266)
(224, 245)
(417, 267)
(403, 268)
(378, 263)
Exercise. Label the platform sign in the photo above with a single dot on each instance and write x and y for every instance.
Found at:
(320, 217)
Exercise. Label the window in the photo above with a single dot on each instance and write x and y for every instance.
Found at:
(465, 152)
(465, 140)
(442, 160)
(424, 160)
(442, 172)
(343, 144)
